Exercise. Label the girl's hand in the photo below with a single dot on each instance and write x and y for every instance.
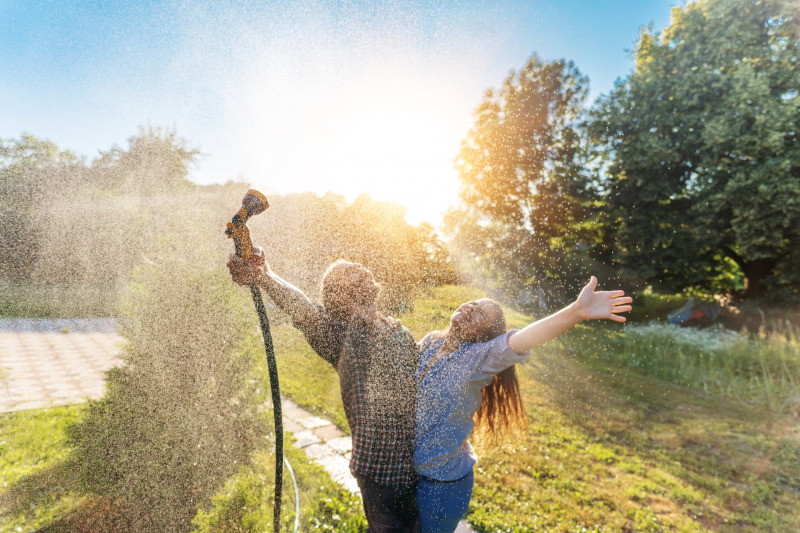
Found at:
(603, 304)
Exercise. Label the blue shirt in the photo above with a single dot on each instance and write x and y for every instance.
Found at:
(448, 395)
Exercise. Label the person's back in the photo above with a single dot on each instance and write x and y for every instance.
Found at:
(376, 364)
(375, 358)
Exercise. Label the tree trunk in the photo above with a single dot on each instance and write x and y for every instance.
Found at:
(754, 273)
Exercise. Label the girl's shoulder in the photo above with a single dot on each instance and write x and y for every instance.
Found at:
(429, 340)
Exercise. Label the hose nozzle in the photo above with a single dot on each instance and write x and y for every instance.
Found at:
(254, 203)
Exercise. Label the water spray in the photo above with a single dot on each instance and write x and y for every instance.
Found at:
(255, 203)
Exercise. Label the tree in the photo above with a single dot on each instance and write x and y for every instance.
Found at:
(527, 198)
(156, 162)
(33, 174)
(701, 146)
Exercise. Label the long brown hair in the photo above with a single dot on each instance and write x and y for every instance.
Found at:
(502, 411)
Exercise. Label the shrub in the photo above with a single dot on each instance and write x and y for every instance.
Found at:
(181, 416)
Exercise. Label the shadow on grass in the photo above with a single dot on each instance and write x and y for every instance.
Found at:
(94, 515)
(42, 486)
(89, 514)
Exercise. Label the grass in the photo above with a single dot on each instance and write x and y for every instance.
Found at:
(609, 448)
(763, 368)
(308, 380)
(56, 300)
(38, 490)
(245, 503)
(35, 488)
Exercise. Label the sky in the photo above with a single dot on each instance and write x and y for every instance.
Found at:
(310, 95)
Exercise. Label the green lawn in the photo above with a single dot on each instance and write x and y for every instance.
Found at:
(607, 449)
(35, 486)
(38, 490)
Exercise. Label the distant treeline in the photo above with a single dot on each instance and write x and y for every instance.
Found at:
(65, 220)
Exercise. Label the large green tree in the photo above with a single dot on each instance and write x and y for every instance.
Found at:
(525, 191)
(701, 142)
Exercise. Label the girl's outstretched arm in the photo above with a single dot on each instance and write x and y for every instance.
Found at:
(589, 305)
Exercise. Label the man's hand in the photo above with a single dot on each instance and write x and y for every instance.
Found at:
(248, 271)
(603, 304)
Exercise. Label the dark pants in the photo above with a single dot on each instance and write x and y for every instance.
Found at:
(389, 509)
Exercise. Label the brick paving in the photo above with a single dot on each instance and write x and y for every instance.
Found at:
(45, 363)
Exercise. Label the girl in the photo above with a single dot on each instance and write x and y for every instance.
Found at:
(466, 376)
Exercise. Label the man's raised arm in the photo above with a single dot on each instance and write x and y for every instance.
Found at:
(286, 296)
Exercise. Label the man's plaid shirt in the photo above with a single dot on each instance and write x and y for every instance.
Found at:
(376, 366)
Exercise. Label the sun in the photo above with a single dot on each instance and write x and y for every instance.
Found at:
(394, 155)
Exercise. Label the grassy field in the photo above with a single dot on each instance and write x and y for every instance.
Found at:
(609, 448)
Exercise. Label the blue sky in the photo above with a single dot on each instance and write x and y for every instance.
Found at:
(318, 95)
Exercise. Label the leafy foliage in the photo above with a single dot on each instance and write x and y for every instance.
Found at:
(32, 173)
(701, 142)
(64, 221)
(527, 195)
(156, 162)
(181, 416)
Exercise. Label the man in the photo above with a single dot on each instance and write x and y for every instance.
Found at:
(375, 358)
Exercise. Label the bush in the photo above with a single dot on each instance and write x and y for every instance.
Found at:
(181, 416)
(649, 305)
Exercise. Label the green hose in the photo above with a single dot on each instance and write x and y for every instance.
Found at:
(272, 366)
(254, 203)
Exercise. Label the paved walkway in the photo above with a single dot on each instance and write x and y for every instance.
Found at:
(45, 363)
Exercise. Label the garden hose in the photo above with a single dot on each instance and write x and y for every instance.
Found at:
(254, 203)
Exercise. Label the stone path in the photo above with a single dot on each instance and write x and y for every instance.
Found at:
(322, 441)
(46, 363)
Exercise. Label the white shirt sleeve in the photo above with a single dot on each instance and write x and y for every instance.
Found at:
(500, 356)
